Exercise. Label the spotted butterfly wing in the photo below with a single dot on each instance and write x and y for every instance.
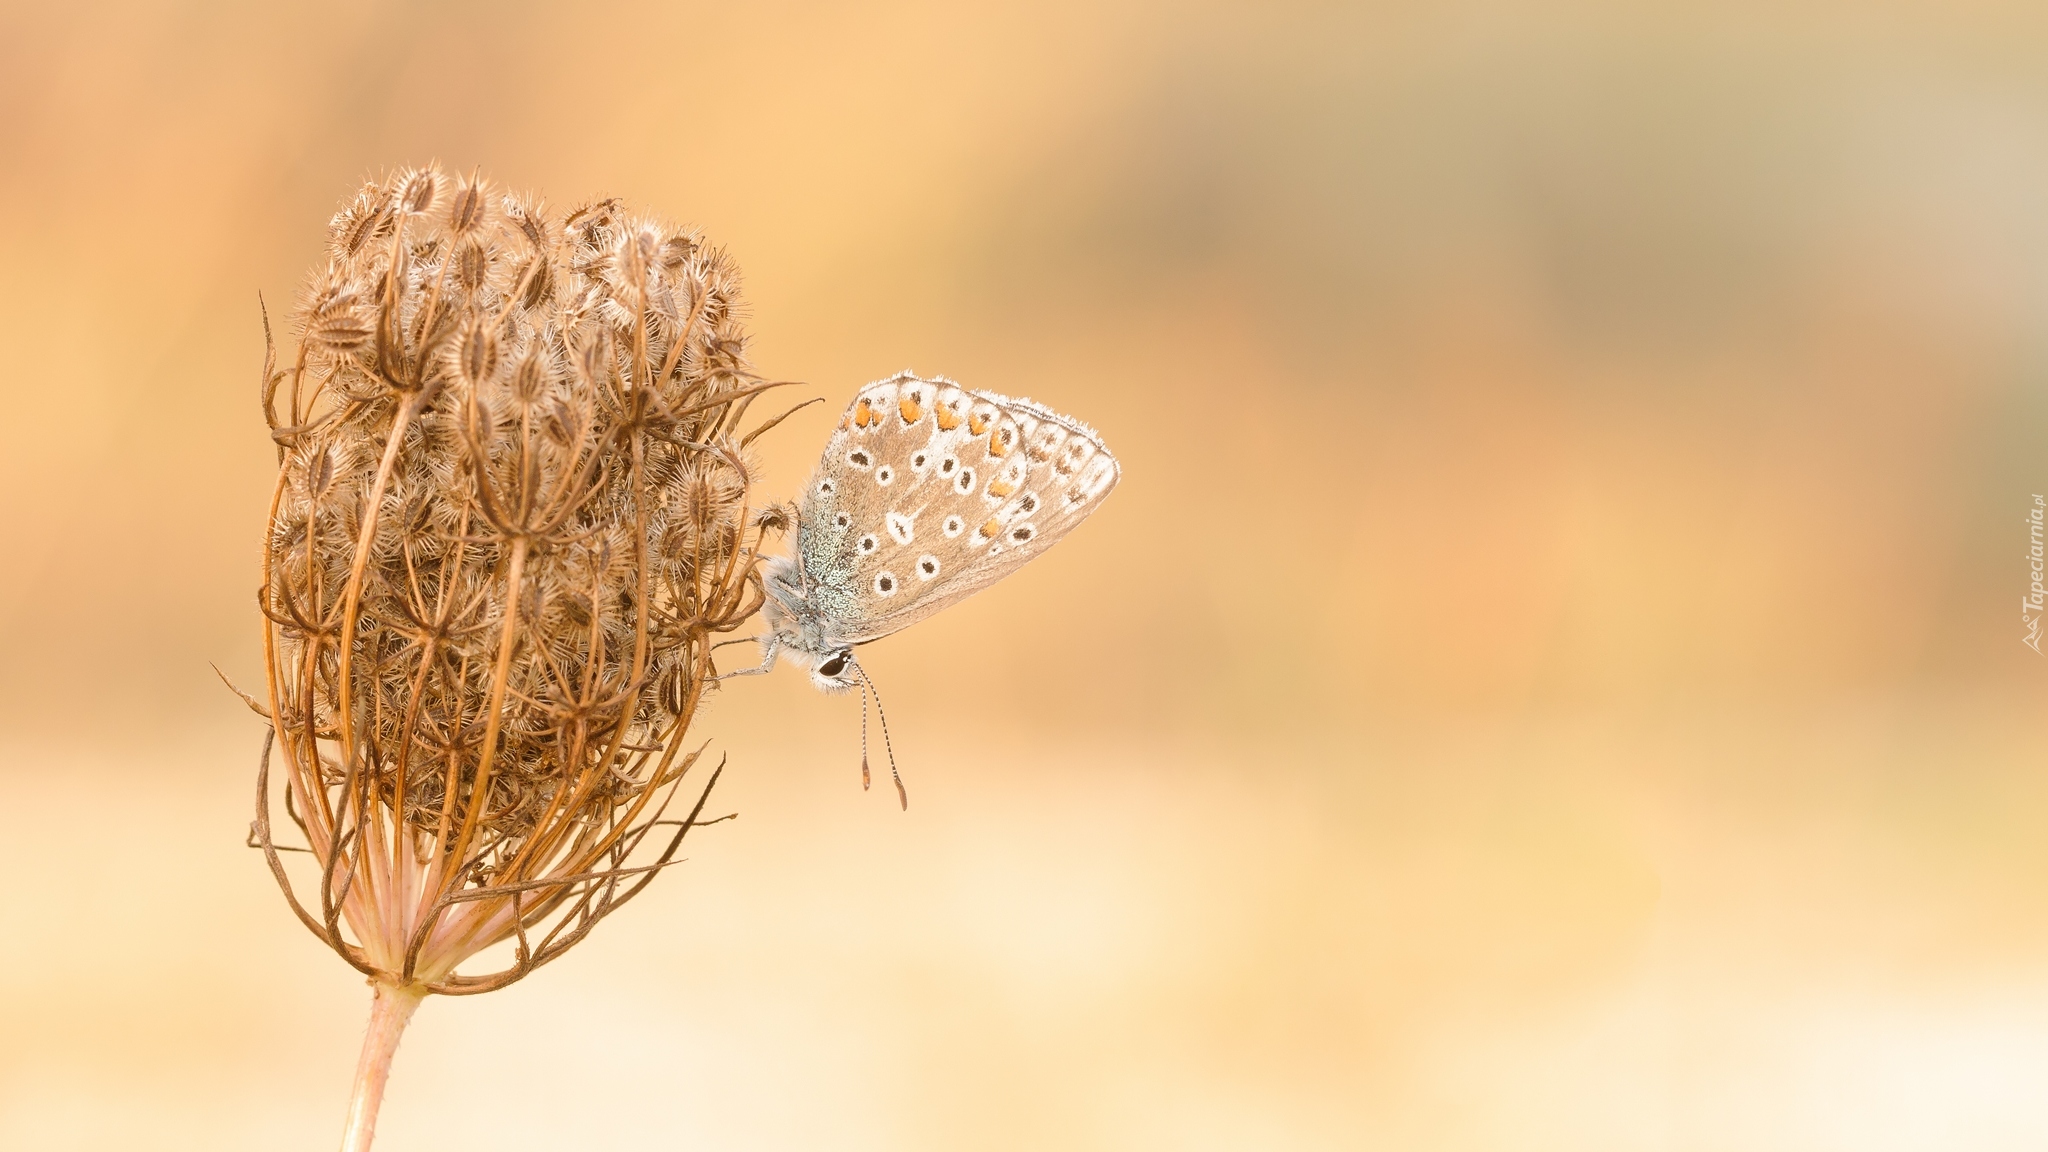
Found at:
(929, 492)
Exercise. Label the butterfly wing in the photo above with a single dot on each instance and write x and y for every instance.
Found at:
(929, 492)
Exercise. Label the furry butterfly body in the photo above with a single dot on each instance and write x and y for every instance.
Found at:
(927, 493)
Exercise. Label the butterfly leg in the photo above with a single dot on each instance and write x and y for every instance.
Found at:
(770, 647)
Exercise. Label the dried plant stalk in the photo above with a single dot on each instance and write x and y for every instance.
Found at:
(511, 516)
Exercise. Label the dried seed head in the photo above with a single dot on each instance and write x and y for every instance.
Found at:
(354, 225)
(530, 378)
(562, 425)
(320, 477)
(473, 582)
(468, 207)
(531, 221)
(591, 219)
(418, 190)
(336, 321)
(479, 352)
(712, 492)
(674, 685)
(539, 283)
(677, 250)
(591, 358)
(472, 264)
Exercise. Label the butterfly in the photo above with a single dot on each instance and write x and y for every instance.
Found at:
(926, 494)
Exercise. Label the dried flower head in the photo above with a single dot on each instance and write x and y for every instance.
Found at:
(510, 518)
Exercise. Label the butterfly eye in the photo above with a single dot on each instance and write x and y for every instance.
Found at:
(842, 520)
(965, 482)
(953, 526)
(1027, 505)
(885, 584)
(834, 666)
(947, 465)
(884, 475)
(927, 567)
(859, 458)
(825, 487)
(918, 461)
(868, 544)
(1022, 533)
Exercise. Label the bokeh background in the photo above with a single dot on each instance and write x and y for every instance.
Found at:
(1550, 679)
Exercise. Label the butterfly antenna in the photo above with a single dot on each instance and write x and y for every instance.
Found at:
(863, 733)
(867, 685)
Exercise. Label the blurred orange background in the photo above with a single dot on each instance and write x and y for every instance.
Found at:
(1550, 677)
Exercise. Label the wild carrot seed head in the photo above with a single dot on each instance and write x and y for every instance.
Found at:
(511, 517)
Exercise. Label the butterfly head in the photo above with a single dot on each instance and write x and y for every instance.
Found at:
(835, 673)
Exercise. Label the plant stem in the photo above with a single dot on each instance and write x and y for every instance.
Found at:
(390, 1008)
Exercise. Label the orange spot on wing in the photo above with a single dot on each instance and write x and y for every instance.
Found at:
(949, 418)
(988, 531)
(910, 411)
(1000, 488)
(977, 423)
(862, 414)
(996, 446)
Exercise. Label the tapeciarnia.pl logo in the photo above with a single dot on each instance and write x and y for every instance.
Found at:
(2036, 599)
